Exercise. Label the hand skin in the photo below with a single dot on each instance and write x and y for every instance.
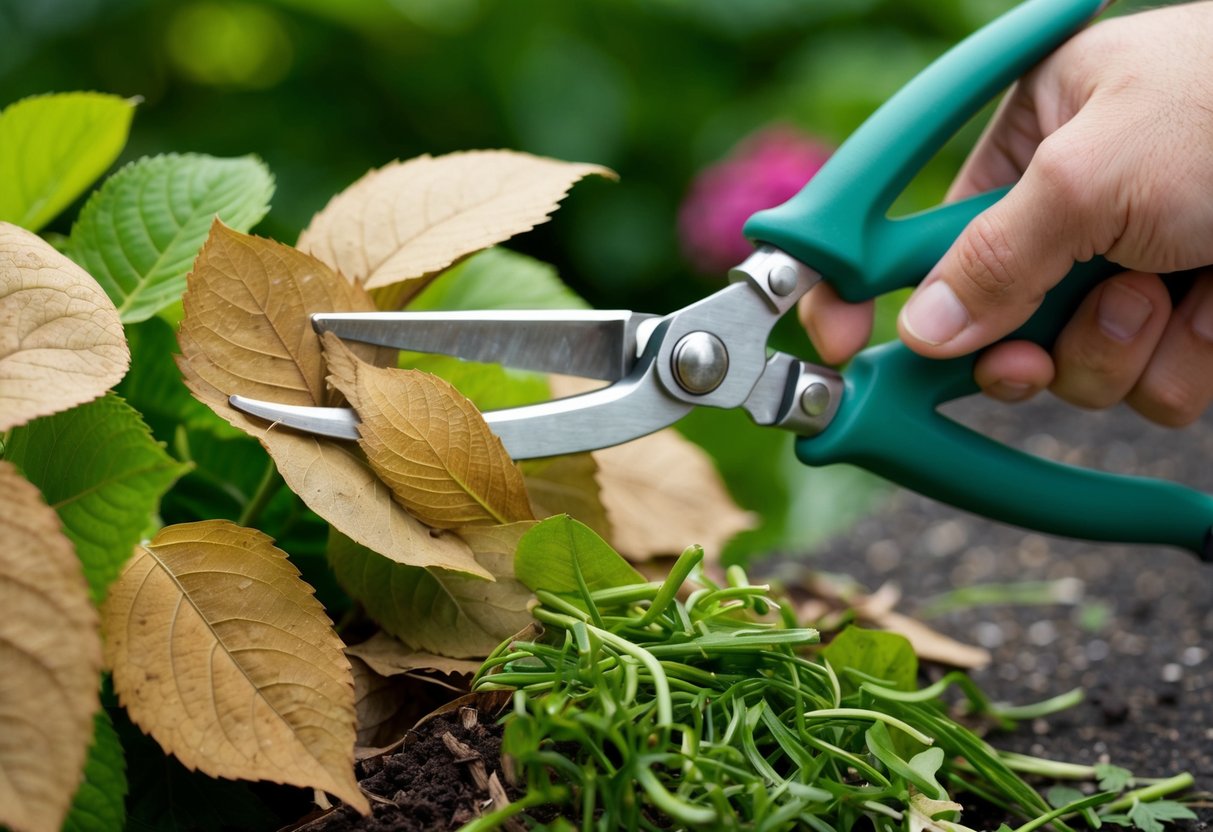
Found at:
(1109, 142)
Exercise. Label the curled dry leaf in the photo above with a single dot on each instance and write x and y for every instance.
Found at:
(408, 220)
(247, 331)
(386, 707)
(222, 654)
(61, 343)
(51, 654)
(429, 444)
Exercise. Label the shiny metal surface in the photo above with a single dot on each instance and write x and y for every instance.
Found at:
(335, 422)
(631, 408)
(700, 362)
(716, 346)
(587, 343)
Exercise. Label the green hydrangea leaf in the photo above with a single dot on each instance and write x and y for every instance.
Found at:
(498, 278)
(99, 468)
(52, 147)
(100, 803)
(153, 385)
(139, 234)
(876, 654)
(554, 551)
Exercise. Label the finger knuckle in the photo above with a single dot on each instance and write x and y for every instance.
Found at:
(1065, 166)
(986, 260)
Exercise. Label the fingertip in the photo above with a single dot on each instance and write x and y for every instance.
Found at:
(1014, 371)
(837, 329)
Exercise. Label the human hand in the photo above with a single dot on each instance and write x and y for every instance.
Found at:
(1109, 142)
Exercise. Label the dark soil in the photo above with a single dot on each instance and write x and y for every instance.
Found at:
(441, 778)
(1132, 625)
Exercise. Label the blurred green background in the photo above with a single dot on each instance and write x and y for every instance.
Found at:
(656, 89)
(324, 90)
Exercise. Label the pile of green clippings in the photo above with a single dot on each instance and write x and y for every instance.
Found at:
(642, 707)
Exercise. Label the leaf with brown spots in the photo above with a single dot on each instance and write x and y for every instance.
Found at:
(221, 653)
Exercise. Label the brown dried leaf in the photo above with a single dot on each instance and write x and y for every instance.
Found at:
(567, 485)
(61, 342)
(247, 331)
(390, 657)
(50, 650)
(222, 654)
(878, 610)
(387, 707)
(411, 219)
(661, 493)
(830, 598)
(429, 444)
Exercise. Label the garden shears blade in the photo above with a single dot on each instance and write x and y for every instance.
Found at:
(711, 353)
(882, 413)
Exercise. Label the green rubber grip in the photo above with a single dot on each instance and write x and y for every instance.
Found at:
(888, 420)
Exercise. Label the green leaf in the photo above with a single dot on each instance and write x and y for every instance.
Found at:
(227, 473)
(165, 796)
(153, 385)
(489, 386)
(1113, 778)
(100, 803)
(919, 770)
(498, 278)
(881, 655)
(448, 613)
(1150, 817)
(99, 468)
(554, 551)
(52, 147)
(1059, 796)
(139, 234)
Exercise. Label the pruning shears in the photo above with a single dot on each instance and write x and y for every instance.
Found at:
(881, 412)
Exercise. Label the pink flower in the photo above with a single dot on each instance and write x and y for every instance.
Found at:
(763, 170)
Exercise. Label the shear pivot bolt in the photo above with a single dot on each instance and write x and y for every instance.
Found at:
(782, 280)
(815, 399)
(700, 362)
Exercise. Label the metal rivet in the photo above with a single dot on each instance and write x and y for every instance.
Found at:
(782, 280)
(700, 362)
(815, 399)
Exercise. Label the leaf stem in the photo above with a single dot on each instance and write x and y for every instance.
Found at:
(266, 489)
(1152, 792)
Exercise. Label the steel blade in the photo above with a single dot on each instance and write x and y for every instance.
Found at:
(613, 415)
(587, 343)
(335, 422)
(626, 410)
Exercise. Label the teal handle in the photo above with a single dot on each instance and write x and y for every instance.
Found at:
(839, 225)
(888, 420)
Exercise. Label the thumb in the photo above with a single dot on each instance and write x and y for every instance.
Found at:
(997, 272)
